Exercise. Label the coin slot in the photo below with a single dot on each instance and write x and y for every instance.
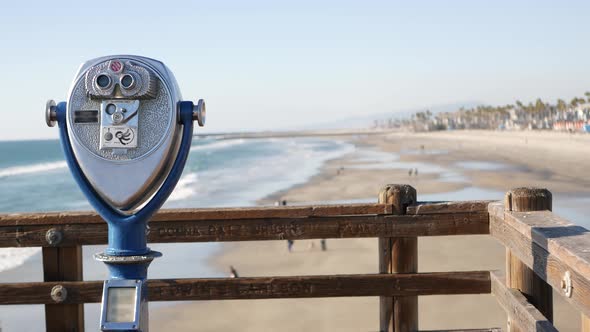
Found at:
(85, 116)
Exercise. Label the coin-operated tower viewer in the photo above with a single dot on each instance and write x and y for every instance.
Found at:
(126, 134)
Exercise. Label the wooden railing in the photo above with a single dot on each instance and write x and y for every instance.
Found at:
(544, 252)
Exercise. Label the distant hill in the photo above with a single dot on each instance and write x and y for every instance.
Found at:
(364, 121)
(356, 122)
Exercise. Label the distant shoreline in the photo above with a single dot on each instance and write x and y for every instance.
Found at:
(328, 133)
(293, 134)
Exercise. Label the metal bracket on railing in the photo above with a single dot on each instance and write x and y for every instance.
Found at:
(566, 284)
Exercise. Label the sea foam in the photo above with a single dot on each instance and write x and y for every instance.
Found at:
(31, 169)
(218, 144)
(185, 187)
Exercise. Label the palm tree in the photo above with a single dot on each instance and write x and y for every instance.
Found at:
(561, 105)
(530, 107)
(587, 94)
(539, 105)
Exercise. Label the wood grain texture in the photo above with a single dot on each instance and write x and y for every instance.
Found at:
(565, 240)
(412, 284)
(384, 256)
(304, 211)
(523, 314)
(448, 207)
(404, 259)
(398, 255)
(528, 199)
(491, 329)
(550, 245)
(260, 229)
(519, 276)
(546, 265)
(496, 209)
(63, 264)
(385, 302)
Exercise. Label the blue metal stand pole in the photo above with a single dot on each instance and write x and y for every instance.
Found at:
(127, 256)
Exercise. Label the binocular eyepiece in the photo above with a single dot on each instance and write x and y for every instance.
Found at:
(118, 79)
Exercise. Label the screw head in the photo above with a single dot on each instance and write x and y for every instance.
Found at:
(59, 293)
(53, 236)
(117, 117)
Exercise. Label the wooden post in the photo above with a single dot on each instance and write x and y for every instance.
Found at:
(585, 323)
(63, 264)
(398, 255)
(518, 275)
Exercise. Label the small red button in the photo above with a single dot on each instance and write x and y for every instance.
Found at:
(116, 66)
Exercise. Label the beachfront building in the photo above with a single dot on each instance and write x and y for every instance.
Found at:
(573, 119)
(562, 116)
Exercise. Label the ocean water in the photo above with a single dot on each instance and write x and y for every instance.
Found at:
(234, 172)
(218, 173)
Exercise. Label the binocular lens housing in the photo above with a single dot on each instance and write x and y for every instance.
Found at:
(127, 81)
(103, 81)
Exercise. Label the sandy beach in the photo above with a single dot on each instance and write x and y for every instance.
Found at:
(446, 162)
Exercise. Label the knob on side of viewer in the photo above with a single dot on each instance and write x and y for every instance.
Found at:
(200, 112)
(50, 114)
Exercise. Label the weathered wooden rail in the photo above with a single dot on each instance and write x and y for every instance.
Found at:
(544, 252)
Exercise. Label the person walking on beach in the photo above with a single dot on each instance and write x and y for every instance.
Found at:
(234, 272)
(324, 244)
(289, 242)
